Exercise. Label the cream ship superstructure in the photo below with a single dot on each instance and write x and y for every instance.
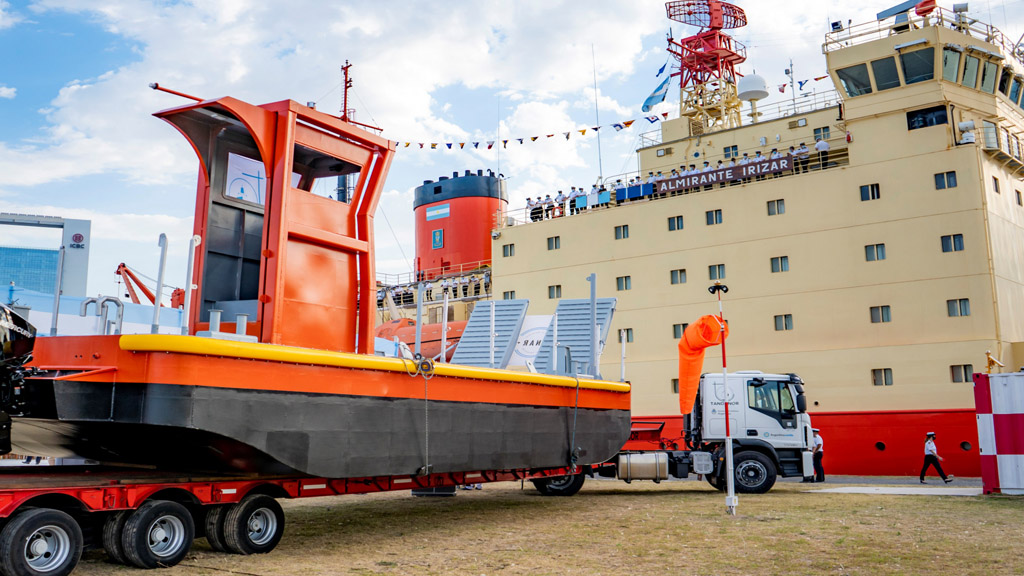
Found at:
(882, 276)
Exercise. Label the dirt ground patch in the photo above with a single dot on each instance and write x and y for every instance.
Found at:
(643, 528)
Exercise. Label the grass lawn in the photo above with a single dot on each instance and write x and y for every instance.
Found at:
(611, 527)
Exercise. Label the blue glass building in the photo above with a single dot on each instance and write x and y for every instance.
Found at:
(29, 268)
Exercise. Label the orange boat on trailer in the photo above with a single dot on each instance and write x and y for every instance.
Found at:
(297, 388)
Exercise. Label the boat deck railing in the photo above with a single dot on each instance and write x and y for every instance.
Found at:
(472, 285)
(612, 199)
(386, 279)
(879, 29)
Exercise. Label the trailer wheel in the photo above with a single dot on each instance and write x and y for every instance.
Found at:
(113, 528)
(158, 534)
(40, 542)
(755, 473)
(215, 527)
(560, 485)
(253, 526)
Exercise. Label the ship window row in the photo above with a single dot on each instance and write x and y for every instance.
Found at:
(776, 207)
(554, 243)
(508, 295)
(780, 264)
(675, 223)
(961, 373)
(958, 307)
(783, 322)
(628, 333)
(953, 243)
(880, 314)
(713, 217)
(622, 232)
(508, 250)
(554, 291)
(975, 69)
(881, 376)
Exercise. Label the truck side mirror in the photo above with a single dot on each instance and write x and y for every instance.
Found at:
(801, 403)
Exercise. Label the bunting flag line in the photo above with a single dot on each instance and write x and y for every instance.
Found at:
(802, 82)
(652, 119)
(820, 78)
(782, 88)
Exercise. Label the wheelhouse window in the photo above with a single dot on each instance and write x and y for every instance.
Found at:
(1004, 81)
(855, 80)
(970, 77)
(886, 76)
(989, 72)
(950, 64)
(926, 117)
(919, 65)
(1015, 90)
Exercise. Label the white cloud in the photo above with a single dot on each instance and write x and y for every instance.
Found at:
(8, 18)
(8, 92)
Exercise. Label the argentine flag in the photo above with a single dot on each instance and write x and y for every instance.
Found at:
(658, 96)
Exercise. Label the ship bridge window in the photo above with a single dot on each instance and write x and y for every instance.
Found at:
(886, 76)
(1004, 81)
(950, 64)
(988, 77)
(855, 80)
(926, 117)
(918, 65)
(1014, 90)
(970, 77)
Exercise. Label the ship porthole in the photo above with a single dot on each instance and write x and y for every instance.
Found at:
(965, 446)
(880, 446)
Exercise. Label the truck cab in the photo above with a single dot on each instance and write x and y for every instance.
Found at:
(767, 416)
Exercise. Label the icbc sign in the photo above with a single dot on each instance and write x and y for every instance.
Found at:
(78, 241)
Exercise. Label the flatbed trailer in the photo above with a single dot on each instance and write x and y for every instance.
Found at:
(149, 518)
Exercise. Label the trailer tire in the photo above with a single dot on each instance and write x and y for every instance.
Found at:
(755, 473)
(254, 526)
(214, 524)
(567, 485)
(158, 534)
(113, 528)
(40, 542)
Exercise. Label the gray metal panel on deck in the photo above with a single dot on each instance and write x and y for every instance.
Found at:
(574, 322)
(474, 347)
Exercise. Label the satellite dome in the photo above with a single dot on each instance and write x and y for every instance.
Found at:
(752, 87)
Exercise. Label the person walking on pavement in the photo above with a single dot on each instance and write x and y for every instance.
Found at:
(932, 458)
(819, 453)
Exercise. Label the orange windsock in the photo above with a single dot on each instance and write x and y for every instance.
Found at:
(701, 334)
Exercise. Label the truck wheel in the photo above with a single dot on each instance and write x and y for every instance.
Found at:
(755, 473)
(215, 527)
(560, 485)
(253, 526)
(113, 527)
(158, 534)
(40, 542)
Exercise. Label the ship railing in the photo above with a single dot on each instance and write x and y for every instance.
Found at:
(871, 31)
(838, 156)
(386, 279)
(477, 285)
(1004, 146)
(805, 103)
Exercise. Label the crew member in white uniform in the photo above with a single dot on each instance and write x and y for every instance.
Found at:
(932, 458)
(819, 453)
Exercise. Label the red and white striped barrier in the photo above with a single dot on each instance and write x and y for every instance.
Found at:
(999, 403)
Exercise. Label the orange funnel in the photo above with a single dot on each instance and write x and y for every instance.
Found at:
(701, 334)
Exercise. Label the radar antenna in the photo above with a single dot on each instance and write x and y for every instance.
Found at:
(707, 63)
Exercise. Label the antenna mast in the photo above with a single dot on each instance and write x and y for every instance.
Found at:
(707, 63)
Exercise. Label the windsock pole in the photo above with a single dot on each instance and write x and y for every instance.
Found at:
(730, 499)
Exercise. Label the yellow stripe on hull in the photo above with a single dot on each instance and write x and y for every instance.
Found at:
(293, 355)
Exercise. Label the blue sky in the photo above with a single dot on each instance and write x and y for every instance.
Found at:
(77, 138)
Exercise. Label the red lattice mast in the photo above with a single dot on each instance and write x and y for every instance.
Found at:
(711, 54)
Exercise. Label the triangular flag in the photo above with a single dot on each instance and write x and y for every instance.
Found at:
(662, 69)
(421, 144)
(551, 135)
(582, 132)
(802, 82)
(449, 145)
(664, 115)
(820, 78)
(504, 143)
(407, 144)
(782, 88)
(490, 144)
(652, 119)
(532, 139)
(617, 126)
(658, 96)
(596, 128)
(476, 144)
(628, 123)
(433, 145)
(566, 134)
(520, 140)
